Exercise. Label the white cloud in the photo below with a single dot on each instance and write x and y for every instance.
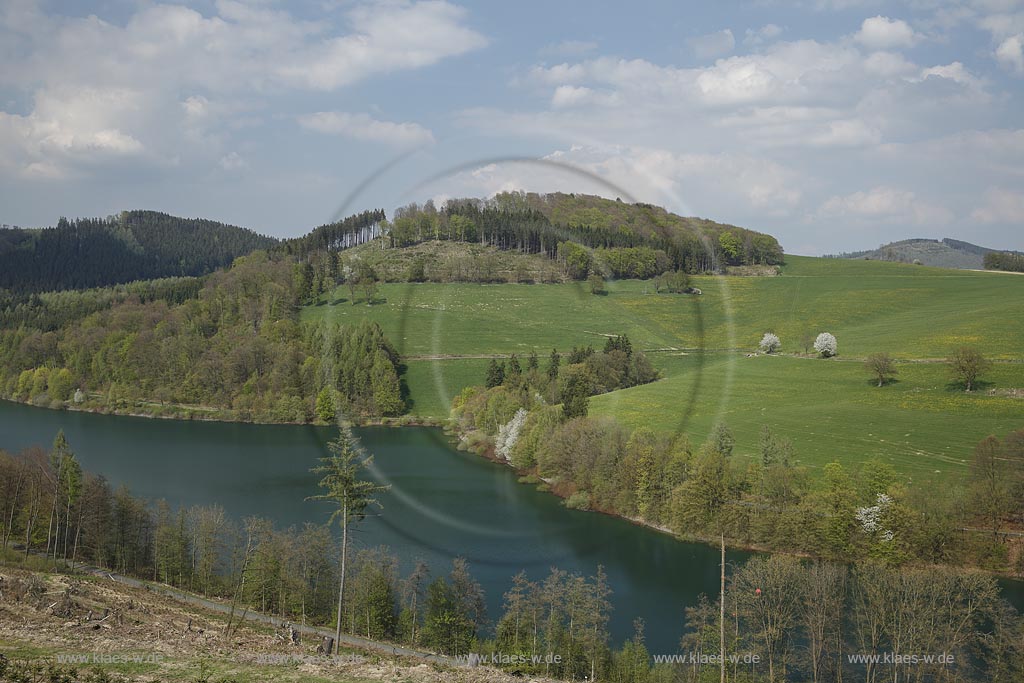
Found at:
(1001, 206)
(365, 127)
(765, 34)
(886, 204)
(1010, 53)
(954, 71)
(575, 96)
(170, 85)
(72, 127)
(888, 64)
(785, 72)
(713, 44)
(388, 37)
(882, 33)
(1004, 23)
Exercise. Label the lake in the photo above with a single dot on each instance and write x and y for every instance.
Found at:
(443, 504)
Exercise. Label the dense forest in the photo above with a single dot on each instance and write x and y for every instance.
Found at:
(537, 422)
(228, 347)
(586, 235)
(133, 245)
(346, 233)
(1004, 260)
(567, 227)
(800, 619)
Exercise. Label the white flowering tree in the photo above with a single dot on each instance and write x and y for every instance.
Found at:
(508, 434)
(826, 345)
(770, 343)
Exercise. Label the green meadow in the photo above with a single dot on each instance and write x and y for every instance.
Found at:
(829, 408)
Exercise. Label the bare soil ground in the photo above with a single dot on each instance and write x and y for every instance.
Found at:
(58, 627)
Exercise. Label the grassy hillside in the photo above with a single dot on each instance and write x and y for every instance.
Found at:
(828, 408)
(445, 261)
(909, 311)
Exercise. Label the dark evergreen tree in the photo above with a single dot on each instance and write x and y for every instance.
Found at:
(495, 374)
(553, 362)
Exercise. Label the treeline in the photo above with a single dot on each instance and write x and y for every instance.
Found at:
(510, 222)
(806, 621)
(1004, 260)
(47, 311)
(816, 621)
(348, 232)
(234, 351)
(133, 245)
(360, 371)
(571, 381)
(768, 500)
(51, 507)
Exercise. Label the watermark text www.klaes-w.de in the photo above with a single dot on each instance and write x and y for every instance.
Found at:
(708, 659)
(287, 659)
(504, 659)
(109, 658)
(900, 658)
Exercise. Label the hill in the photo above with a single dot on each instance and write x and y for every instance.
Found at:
(133, 245)
(539, 224)
(944, 253)
(922, 424)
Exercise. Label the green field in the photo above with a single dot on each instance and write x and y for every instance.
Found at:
(829, 409)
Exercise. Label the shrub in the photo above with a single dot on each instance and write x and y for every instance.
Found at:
(578, 501)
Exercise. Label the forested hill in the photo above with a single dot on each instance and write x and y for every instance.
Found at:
(542, 223)
(133, 245)
(945, 253)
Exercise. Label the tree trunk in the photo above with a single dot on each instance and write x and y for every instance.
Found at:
(78, 533)
(721, 616)
(341, 579)
(14, 506)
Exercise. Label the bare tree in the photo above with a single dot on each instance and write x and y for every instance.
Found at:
(821, 613)
(881, 366)
(967, 365)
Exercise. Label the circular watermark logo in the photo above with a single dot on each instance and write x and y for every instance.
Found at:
(429, 344)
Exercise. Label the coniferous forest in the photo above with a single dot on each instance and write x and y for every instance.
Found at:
(133, 245)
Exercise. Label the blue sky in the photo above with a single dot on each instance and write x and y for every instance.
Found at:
(833, 124)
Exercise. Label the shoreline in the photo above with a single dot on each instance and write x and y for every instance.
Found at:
(730, 544)
(217, 416)
(457, 440)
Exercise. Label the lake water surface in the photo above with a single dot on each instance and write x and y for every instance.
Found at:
(443, 503)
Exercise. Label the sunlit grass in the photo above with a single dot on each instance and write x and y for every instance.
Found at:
(828, 408)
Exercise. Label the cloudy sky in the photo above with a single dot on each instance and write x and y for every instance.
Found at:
(833, 124)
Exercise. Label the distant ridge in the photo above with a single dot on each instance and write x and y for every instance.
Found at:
(131, 245)
(944, 253)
